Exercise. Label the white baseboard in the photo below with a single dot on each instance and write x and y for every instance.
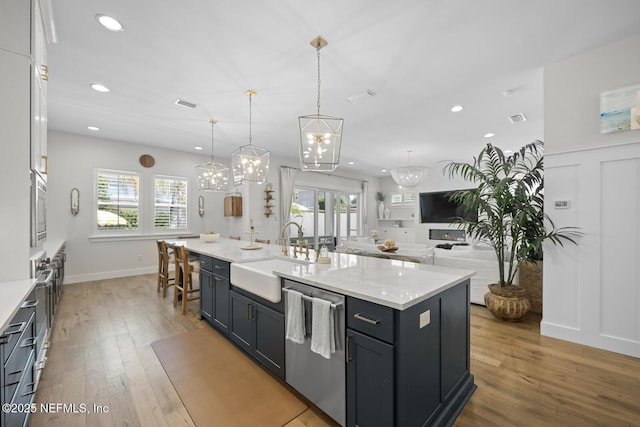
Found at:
(108, 275)
(604, 342)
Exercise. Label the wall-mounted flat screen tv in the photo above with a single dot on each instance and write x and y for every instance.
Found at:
(436, 207)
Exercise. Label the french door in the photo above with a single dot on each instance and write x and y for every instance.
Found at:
(326, 216)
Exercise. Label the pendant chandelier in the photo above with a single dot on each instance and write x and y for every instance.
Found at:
(212, 176)
(250, 163)
(320, 136)
(410, 175)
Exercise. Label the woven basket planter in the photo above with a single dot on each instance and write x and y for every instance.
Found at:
(509, 303)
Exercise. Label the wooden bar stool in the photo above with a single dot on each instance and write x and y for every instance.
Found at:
(184, 282)
(166, 269)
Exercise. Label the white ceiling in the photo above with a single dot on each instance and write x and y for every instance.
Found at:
(420, 57)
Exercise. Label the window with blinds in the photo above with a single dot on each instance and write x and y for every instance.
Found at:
(118, 200)
(170, 203)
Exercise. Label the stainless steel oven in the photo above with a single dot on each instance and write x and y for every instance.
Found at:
(38, 209)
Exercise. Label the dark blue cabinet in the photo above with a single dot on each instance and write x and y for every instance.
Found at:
(214, 293)
(409, 367)
(370, 381)
(258, 330)
(17, 354)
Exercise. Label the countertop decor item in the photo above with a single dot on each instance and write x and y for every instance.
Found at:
(147, 160)
(250, 163)
(209, 237)
(212, 176)
(251, 232)
(320, 136)
(410, 175)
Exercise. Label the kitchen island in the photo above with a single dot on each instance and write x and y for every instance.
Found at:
(405, 333)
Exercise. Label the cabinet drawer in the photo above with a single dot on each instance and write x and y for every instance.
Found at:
(13, 332)
(215, 266)
(369, 318)
(16, 366)
(23, 396)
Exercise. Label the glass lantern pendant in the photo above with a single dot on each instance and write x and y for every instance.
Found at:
(320, 136)
(212, 176)
(250, 163)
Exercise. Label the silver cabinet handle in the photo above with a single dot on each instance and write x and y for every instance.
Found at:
(217, 267)
(348, 353)
(366, 319)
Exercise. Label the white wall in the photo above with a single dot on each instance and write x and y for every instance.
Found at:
(72, 162)
(414, 231)
(592, 292)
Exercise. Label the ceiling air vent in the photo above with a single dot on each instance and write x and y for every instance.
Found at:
(356, 99)
(517, 118)
(185, 103)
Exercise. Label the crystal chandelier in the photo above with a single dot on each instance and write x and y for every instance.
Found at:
(409, 176)
(320, 136)
(212, 176)
(250, 163)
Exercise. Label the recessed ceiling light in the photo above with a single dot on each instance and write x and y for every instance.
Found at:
(100, 87)
(198, 148)
(457, 108)
(508, 151)
(489, 135)
(94, 128)
(383, 170)
(351, 163)
(109, 23)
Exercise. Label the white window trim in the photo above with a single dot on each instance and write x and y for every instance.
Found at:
(117, 232)
(153, 205)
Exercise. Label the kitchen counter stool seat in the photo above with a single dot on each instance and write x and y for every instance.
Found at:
(184, 284)
(166, 270)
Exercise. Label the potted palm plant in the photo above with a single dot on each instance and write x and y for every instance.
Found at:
(509, 200)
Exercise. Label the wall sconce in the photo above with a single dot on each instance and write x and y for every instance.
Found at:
(75, 201)
(201, 206)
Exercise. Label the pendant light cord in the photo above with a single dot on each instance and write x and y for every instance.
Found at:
(318, 52)
(250, 136)
(212, 124)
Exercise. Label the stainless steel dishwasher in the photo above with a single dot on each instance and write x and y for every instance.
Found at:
(320, 380)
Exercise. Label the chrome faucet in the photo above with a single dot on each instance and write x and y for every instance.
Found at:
(282, 237)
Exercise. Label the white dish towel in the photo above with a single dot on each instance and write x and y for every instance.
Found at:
(295, 317)
(322, 329)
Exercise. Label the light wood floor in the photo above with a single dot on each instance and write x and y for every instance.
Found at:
(101, 354)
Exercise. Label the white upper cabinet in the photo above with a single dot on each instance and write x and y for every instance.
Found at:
(15, 26)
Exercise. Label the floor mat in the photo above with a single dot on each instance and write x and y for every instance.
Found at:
(221, 386)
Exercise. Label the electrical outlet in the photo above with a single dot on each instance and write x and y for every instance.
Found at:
(140, 257)
(425, 318)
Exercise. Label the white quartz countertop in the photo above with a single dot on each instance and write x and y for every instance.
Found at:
(229, 249)
(392, 283)
(13, 293)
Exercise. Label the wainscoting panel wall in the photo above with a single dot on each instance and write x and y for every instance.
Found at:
(591, 293)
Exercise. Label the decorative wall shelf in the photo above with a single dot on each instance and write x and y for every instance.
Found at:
(268, 204)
